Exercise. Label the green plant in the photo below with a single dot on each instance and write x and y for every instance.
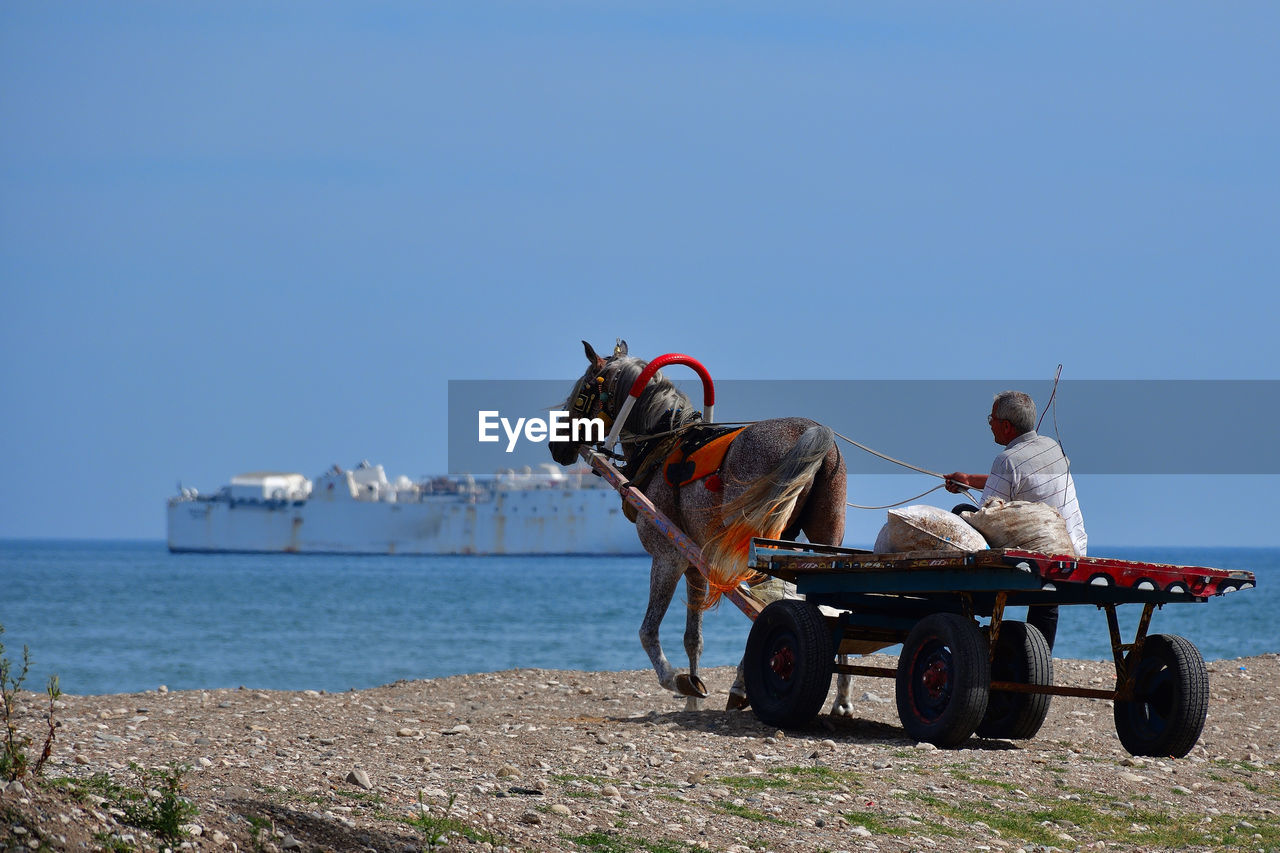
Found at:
(612, 842)
(602, 842)
(111, 843)
(99, 784)
(750, 814)
(436, 830)
(262, 829)
(792, 779)
(13, 760)
(13, 756)
(54, 691)
(163, 814)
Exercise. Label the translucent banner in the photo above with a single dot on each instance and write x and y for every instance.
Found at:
(1105, 426)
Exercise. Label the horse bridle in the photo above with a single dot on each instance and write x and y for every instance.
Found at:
(592, 398)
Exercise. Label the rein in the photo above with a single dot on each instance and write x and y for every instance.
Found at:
(592, 402)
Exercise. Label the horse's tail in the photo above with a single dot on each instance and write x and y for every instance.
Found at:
(762, 510)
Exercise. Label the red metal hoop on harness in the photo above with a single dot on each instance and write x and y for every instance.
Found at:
(637, 388)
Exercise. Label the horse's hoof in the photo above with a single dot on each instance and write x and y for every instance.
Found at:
(737, 701)
(691, 685)
(842, 710)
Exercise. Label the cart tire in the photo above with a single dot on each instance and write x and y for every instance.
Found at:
(1021, 656)
(1170, 698)
(943, 676)
(788, 663)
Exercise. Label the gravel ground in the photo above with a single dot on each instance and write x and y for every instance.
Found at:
(531, 760)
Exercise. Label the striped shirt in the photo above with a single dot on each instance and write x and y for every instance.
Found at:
(1033, 467)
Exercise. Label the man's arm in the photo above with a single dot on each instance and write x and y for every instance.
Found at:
(957, 482)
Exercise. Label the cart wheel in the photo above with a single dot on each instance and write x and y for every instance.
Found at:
(1021, 656)
(1170, 698)
(942, 680)
(788, 663)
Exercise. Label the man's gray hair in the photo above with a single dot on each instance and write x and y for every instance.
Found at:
(1016, 408)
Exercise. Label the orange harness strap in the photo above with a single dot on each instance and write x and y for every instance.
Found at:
(683, 465)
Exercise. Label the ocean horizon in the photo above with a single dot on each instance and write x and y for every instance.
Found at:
(122, 616)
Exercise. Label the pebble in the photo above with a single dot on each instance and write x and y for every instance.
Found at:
(360, 779)
(508, 771)
(461, 728)
(860, 831)
(16, 788)
(926, 747)
(561, 809)
(532, 818)
(290, 843)
(408, 733)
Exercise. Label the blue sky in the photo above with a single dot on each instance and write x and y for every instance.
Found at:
(239, 236)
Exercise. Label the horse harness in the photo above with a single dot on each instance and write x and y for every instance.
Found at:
(592, 397)
(694, 453)
(685, 454)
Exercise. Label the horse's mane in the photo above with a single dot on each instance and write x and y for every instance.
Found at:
(661, 407)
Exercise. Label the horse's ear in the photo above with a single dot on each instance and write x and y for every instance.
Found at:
(620, 349)
(596, 361)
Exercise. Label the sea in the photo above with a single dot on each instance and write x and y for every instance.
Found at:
(123, 617)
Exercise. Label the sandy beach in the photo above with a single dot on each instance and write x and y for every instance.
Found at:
(535, 760)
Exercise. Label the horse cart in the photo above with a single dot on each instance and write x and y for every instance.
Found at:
(956, 677)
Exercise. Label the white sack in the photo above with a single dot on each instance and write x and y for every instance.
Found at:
(1022, 524)
(927, 528)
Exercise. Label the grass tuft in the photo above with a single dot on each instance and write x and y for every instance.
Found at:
(161, 813)
(437, 829)
(14, 762)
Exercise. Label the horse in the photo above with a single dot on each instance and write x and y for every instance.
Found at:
(779, 478)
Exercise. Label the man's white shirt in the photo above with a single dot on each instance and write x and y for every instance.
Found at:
(1033, 467)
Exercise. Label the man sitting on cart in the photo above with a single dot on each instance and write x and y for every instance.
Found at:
(1032, 467)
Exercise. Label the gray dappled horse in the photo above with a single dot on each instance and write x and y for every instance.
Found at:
(779, 477)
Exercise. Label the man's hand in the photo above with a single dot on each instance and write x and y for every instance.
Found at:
(958, 482)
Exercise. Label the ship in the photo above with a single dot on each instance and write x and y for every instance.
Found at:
(360, 511)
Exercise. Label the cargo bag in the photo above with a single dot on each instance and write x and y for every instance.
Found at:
(1022, 524)
(927, 528)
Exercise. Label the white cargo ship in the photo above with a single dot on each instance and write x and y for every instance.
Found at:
(359, 511)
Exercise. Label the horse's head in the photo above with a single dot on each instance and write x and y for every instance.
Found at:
(594, 395)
